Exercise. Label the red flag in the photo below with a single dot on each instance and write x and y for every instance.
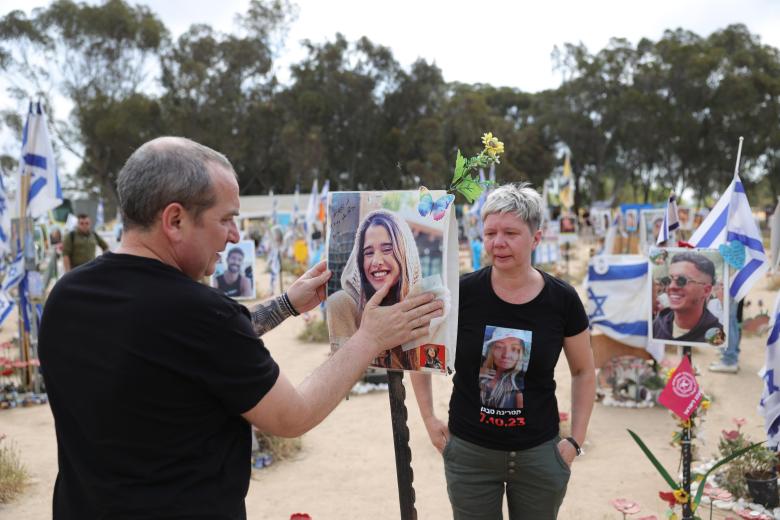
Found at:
(681, 394)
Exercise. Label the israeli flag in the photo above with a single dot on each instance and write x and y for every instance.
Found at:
(731, 220)
(769, 406)
(15, 273)
(5, 216)
(100, 218)
(6, 306)
(39, 165)
(671, 221)
(618, 297)
(312, 210)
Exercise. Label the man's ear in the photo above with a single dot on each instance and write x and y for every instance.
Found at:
(172, 221)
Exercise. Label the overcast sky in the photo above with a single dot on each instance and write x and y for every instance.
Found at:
(502, 43)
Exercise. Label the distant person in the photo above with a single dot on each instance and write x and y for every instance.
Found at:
(155, 380)
(689, 286)
(233, 282)
(79, 245)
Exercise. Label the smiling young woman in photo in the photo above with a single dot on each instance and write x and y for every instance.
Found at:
(384, 250)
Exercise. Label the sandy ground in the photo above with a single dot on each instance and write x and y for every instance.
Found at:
(346, 468)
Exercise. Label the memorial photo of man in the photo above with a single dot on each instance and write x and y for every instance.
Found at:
(233, 282)
(688, 288)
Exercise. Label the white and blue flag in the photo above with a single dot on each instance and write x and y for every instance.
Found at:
(6, 306)
(5, 217)
(671, 221)
(769, 406)
(618, 297)
(14, 274)
(38, 165)
(100, 218)
(732, 221)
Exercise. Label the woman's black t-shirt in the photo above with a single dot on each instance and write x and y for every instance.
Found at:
(543, 323)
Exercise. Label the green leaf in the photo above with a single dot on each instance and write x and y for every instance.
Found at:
(665, 474)
(470, 189)
(721, 462)
(460, 167)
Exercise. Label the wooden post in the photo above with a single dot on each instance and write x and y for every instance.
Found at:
(403, 454)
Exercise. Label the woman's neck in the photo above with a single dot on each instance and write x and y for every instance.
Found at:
(517, 287)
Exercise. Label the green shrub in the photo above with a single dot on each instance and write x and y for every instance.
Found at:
(13, 475)
(316, 331)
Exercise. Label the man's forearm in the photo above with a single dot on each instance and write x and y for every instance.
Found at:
(270, 313)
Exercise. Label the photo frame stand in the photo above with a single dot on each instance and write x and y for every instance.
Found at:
(403, 454)
(687, 511)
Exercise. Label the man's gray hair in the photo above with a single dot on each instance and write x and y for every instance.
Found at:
(163, 171)
(520, 200)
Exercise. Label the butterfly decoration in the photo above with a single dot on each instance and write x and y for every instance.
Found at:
(733, 253)
(436, 208)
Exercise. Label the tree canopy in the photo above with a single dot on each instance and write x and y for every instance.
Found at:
(637, 120)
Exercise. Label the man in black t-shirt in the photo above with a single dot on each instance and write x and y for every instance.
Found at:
(153, 403)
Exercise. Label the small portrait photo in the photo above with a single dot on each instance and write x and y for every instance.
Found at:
(234, 273)
(568, 224)
(684, 217)
(600, 219)
(376, 237)
(687, 303)
(652, 220)
(505, 356)
(631, 219)
(433, 358)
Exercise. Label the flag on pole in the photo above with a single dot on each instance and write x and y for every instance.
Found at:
(274, 215)
(296, 203)
(732, 221)
(312, 210)
(39, 165)
(566, 190)
(682, 394)
(5, 217)
(612, 284)
(6, 306)
(774, 240)
(15, 273)
(323, 202)
(100, 218)
(769, 406)
(671, 221)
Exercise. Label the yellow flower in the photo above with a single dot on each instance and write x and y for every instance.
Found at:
(493, 147)
(681, 496)
(705, 404)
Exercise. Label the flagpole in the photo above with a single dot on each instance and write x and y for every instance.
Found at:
(739, 154)
(687, 511)
(24, 190)
(403, 454)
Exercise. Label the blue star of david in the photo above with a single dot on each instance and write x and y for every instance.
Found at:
(599, 302)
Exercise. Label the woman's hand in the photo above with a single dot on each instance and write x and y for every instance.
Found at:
(308, 291)
(567, 451)
(437, 431)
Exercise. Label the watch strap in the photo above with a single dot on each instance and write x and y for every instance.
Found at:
(575, 444)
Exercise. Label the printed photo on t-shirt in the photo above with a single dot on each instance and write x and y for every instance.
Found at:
(505, 356)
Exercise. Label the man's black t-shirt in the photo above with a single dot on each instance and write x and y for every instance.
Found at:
(148, 372)
(542, 324)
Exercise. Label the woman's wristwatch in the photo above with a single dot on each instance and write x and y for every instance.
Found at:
(575, 444)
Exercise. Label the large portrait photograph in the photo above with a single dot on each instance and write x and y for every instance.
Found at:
(408, 238)
(234, 273)
(688, 306)
(505, 356)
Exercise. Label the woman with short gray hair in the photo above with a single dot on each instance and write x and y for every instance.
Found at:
(514, 445)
